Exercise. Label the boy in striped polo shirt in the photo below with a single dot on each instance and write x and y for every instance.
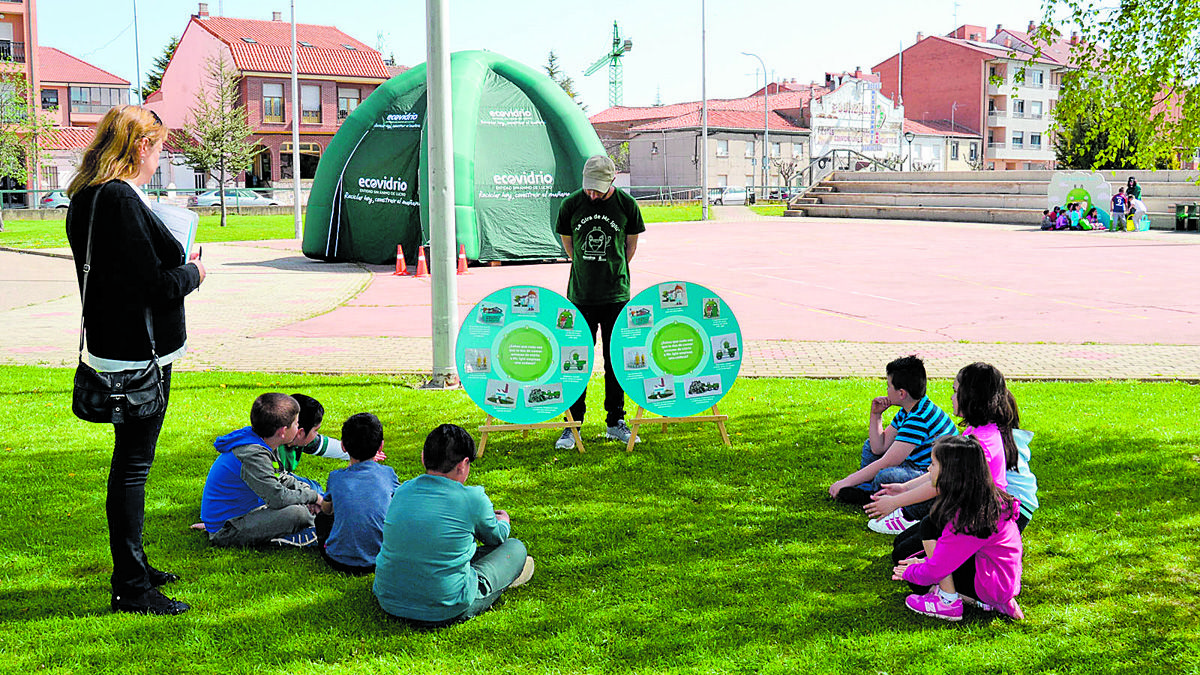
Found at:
(902, 451)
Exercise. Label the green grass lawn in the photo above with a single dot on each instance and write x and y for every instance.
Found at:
(769, 209)
(670, 213)
(683, 556)
(52, 233)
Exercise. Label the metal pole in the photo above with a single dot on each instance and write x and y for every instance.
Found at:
(442, 237)
(766, 113)
(296, 133)
(137, 56)
(703, 116)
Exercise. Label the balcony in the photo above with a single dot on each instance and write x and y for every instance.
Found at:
(996, 146)
(90, 108)
(12, 51)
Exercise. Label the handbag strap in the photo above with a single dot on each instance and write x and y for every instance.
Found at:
(87, 267)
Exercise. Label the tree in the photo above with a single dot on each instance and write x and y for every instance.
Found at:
(561, 78)
(787, 170)
(1135, 96)
(25, 133)
(619, 154)
(158, 67)
(1081, 143)
(215, 131)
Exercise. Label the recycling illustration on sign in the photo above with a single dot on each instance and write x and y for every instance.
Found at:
(678, 351)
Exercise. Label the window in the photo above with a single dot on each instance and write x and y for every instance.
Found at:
(272, 102)
(953, 149)
(1018, 139)
(310, 156)
(97, 100)
(200, 180)
(722, 148)
(1035, 140)
(722, 180)
(1036, 79)
(653, 148)
(347, 101)
(49, 177)
(749, 149)
(49, 99)
(776, 149)
(797, 151)
(974, 152)
(1018, 107)
(1035, 110)
(310, 104)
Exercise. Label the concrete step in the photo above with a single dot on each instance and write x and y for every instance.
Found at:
(793, 213)
(995, 201)
(1115, 177)
(1159, 221)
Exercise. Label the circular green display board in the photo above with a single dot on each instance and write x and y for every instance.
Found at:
(524, 354)
(676, 348)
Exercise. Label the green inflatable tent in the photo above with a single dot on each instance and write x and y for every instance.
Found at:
(519, 148)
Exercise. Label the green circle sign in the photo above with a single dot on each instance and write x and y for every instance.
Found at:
(677, 348)
(525, 354)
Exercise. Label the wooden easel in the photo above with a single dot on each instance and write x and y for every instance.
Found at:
(639, 420)
(489, 428)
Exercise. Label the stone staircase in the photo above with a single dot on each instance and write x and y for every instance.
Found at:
(1007, 197)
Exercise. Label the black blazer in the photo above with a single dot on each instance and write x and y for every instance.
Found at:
(136, 263)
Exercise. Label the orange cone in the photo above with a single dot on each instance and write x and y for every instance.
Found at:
(462, 260)
(422, 267)
(401, 265)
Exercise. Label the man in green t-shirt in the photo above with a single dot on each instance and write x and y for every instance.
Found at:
(599, 225)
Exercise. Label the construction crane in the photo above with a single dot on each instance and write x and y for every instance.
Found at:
(613, 60)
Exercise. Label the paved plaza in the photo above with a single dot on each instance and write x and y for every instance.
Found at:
(814, 298)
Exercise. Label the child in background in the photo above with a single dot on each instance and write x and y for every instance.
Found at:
(1064, 220)
(1090, 220)
(981, 398)
(971, 539)
(308, 441)
(1119, 204)
(350, 525)
(1075, 215)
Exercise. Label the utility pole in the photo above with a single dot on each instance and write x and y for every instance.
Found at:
(766, 112)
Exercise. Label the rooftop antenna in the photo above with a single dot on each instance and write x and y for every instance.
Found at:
(955, 15)
(612, 59)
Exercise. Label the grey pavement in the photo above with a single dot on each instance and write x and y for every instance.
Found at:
(264, 307)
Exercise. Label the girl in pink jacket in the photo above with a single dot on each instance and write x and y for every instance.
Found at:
(971, 541)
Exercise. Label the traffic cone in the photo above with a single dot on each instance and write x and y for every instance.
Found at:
(422, 267)
(462, 260)
(401, 265)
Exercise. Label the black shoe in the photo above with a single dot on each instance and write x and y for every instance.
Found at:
(161, 578)
(853, 495)
(150, 602)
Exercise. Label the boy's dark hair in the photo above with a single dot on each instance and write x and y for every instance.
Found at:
(908, 373)
(362, 434)
(1121, 189)
(1045, 212)
(984, 398)
(271, 411)
(967, 494)
(311, 411)
(445, 447)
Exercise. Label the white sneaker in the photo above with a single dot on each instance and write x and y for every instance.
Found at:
(892, 523)
(621, 432)
(526, 573)
(566, 441)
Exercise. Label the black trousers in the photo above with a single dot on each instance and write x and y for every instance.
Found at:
(908, 543)
(125, 507)
(602, 318)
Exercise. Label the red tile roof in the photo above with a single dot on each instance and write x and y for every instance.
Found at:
(939, 128)
(271, 49)
(59, 66)
(786, 100)
(71, 138)
(721, 119)
(1058, 52)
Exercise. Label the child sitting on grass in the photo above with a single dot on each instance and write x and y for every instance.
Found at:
(980, 397)
(970, 538)
(901, 452)
(350, 525)
(309, 441)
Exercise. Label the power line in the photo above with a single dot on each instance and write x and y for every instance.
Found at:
(106, 44)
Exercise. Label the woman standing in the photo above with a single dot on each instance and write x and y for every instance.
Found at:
(136, 264)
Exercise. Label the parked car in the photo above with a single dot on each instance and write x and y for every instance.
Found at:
(727, 195)
(233, 197)
(55, 200)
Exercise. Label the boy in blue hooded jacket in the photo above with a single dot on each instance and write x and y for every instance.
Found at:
(248, 499)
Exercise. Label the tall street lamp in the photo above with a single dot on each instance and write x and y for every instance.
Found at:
(909, 136)
(766, 112)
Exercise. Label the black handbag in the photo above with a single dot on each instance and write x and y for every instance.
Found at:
(113, 398)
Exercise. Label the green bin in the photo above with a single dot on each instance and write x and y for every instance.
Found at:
(1193, 220)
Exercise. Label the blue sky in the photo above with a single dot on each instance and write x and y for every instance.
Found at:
(800, 39)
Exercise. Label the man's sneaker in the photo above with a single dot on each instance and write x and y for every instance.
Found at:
(931, 604)
(526, 573)
(621, 432)
(150, 602)
(301, 539)
(892, 523)
(566, 441)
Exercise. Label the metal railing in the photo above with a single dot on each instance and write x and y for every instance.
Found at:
(19, 199)
(838, 160)
(12, 51)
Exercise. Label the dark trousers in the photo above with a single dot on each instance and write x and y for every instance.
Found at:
(908, 543)
(125, 507)
(603, 317)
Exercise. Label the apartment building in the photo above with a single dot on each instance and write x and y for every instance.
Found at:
(986, 84)
(336, 72)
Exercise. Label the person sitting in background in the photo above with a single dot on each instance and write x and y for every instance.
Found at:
(1049, 218)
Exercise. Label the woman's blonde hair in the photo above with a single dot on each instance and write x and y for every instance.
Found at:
(114, 151)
